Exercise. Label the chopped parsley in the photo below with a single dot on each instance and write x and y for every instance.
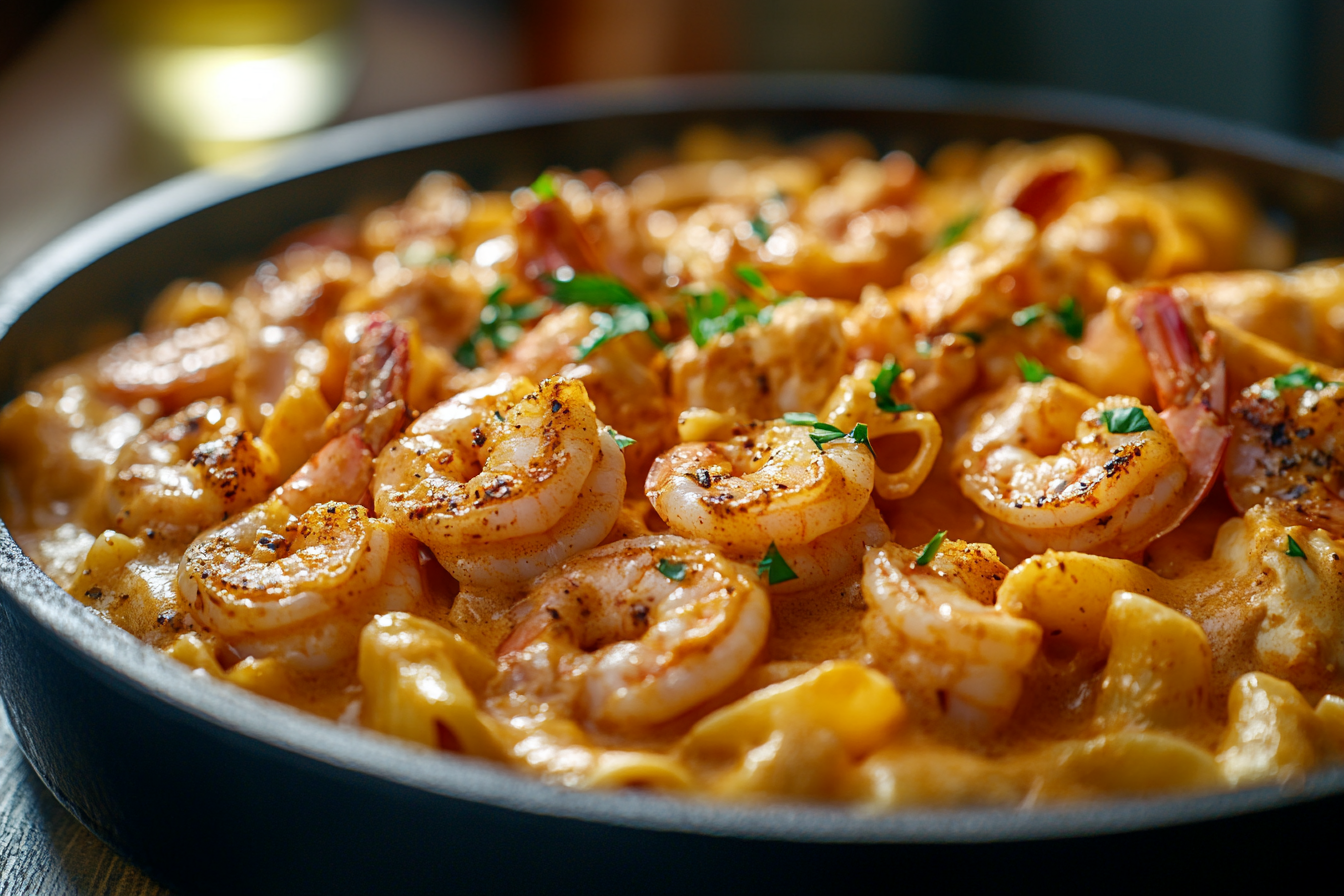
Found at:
(822, 433)
(760, 228)
(800, 418)
(756, 280)
(544, 186)
(1294, 549)
(1068, 317)
(709, 314)
(672, 569)
(622, 442)
(1033, 371)
(882, 383)
(598, 290)
(931, 549)
(1301, 378)
(975, 337)
(623, 320)
(499, 324)
(860, 435)
(1123, 420)
(773, 569)
(953, 232)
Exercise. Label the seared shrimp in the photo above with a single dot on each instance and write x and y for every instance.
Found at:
(298, 576)
(1286, 450)
(935, 630)
(636, 632)
(173, 367)
(1125, 478)
(188, 471)
(504, 481)
(770, 485)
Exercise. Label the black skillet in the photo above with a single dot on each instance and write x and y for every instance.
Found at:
(212, 789)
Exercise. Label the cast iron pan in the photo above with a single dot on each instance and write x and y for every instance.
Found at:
(212, 789)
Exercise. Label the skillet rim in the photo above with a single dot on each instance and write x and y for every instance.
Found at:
(143, 673)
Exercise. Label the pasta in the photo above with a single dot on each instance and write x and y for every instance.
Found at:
(794, 473)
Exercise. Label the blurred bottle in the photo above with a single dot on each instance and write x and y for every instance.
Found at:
(220, 76)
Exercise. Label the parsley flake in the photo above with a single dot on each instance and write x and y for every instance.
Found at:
(1030, 314)
(1294, 549)
(823, 433)
(953, 232)
(499, 325)
(931, 549)
(709, 314)
(672, 569)
(622, 442)
(544, 186)
(773, 569)
(1033, 371)
(1068, 317)
(882, 383)
(1299, 378)
(800, 418)
(860, 435)
(760, 228)
(623, 320)
(973, 336)
(750, 276)
(1123, 420)
(598, 290)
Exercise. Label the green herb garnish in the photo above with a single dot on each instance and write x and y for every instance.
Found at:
(672, 569)
(1123, 420)
(622, 442)
(1068, 317)
(930, 549)
(544, 186)
(1298, 378)
(954, 232)
(623, 320)
(756, 280)
(1033, 371)
(499, 324)
(1294, 549)
(860, 435)
(598, 290)
(882, 383)
(709, 314)
(773, 568)
(800, 418)
(823, 433)
(760, 228)
(973, 336)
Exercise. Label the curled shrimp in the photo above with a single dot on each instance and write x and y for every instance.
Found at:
(1286, 450)
(297, 576)
(504, 481)
(934, 628)
(1103, 491)
(770, 485)
(173, 367)
(188, 471)
(636, 632)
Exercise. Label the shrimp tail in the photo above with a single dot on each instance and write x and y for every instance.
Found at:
(1186, 370)
(374, 405)
(1191, 380)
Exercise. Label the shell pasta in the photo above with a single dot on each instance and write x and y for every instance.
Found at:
(769, 473)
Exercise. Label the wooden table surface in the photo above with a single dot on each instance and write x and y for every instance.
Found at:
(44, 851)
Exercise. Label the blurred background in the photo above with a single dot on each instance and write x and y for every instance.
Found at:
(101, 98)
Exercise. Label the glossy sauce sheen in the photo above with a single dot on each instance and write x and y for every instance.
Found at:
(772, 473)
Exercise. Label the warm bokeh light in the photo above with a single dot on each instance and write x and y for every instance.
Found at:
(220, 76)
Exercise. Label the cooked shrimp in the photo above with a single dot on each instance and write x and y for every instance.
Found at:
(173, 367)
(298, 576)
(504, 480)
(636, 632)
(1286, 449)
(1104, 491)
(769, 485)
(935, 630)
(187, 472)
